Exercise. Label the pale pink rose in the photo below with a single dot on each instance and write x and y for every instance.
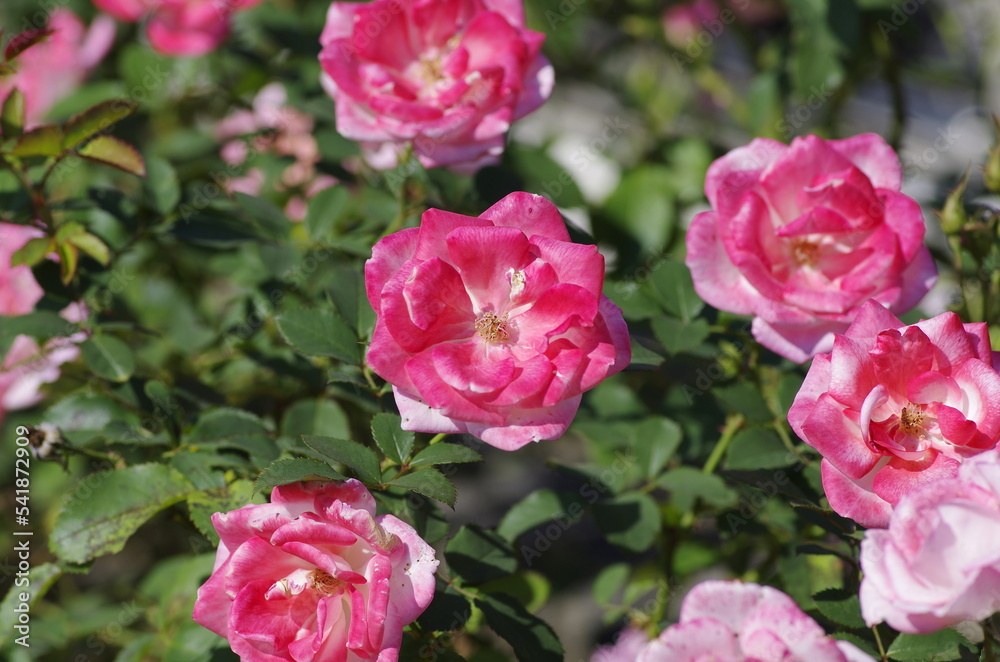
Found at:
(314, 576)
(630, 642)
(734, 621)
(893, 407)
(801, 235)
(492, 325)
(272, 126)
(684, 21)
(179, 27)
(52, 69)
(26, 367)
(445, 78)
(938, 563)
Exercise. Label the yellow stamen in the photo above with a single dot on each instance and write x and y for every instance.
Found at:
(492, 328)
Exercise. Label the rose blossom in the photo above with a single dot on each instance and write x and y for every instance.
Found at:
(630, 642)
(179, 27)
(25, 366)
(801, 235)
(315, 575)
(445, 78)
(285, 131)
(492, 325)
(684, 21)
(893, 407)
(51, 69)
(734, 621)
(938, 563)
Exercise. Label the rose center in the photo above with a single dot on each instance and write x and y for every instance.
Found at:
(911, 419)
(324, 583)
(805, 252)
(492, 328)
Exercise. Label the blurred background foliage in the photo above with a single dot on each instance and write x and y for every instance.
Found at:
(222, 332)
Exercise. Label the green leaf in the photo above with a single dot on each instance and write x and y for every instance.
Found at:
(92, 246)
(531, 638)
(630, 521)
(12, 115)
(270, 219)
(448, 611)
(392, 439)
(745, 398)
(227, 427)
(360, 459)
(674, 290)
(321, 416)
(938, 647)
(40, 325)
(106, 509)
(320, 333)
(108, 357)
(431, 483)
(757, 448)
(32, 252)
(45, 140)
(537, 508)
(161, 187)
(95, 120)
(841, 606)
(529, 588)
(202, 504)
(816, 69)
(656, 441)
(477, 555)
(678, 336)
(609, 582)
(687, 484)
(40, 578)
(445, 454)
(326, 210)
(113, 152)
(292, 470)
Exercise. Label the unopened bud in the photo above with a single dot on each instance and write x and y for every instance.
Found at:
(991, 172)
(953, 216)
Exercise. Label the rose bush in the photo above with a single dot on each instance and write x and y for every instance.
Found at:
(315, 575)
(801, 235)
(735, 621)
(938, 563)
(492, 325)
(52, 69)
(893, 407)
(179, 27)
(444, 78)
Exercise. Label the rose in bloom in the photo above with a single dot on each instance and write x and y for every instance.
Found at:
(492, 325)
(732, 622)
(893, 407)
(179, 27)
(938, 563)
(684, 21)
(50, 70)
(279, 129)
(315, 575)
(445, 78)
(631, 641)
(25, 367)
(801, 235)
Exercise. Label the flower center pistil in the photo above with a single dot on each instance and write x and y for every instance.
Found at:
(324, 583)
(492, 328)
(805, 252)
(911, 419)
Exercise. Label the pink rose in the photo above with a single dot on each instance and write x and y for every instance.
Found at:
(893, 407)
(938, 563)
(25, 367)
(733, 622)
(445, 78)
(492, 325)
(801, 235)
(684, 21)
(52, 69)
(631, 641)
(315, 575)
(179, 27)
